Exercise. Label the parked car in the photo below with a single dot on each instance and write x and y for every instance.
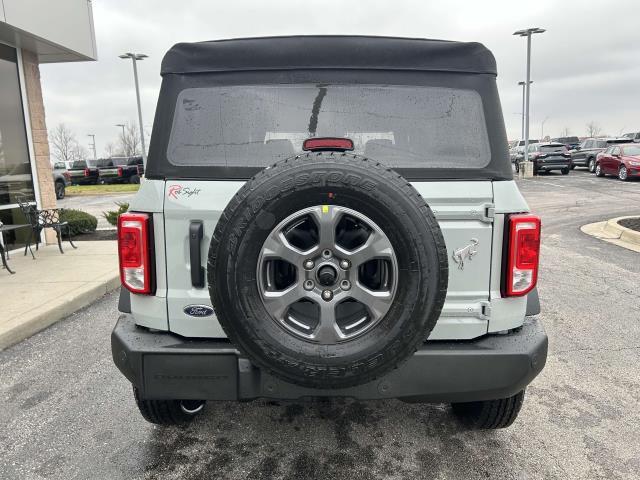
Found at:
(327, 269)
(547, 157)
(84, 172)
(61, 179)
(620, 160)
(516, 153)
(569, 142)
(121, 169)
(584, 155)
(633, 136)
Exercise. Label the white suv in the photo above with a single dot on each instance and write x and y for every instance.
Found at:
(329, 216)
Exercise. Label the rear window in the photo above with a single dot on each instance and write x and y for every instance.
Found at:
(402, 126)
(552, 148)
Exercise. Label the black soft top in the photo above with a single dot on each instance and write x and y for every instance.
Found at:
(328, 52)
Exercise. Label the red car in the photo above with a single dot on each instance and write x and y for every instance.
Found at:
(622, 161)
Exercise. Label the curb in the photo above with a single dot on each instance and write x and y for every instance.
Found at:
(42, 317)
(623, 233)
(612, 232)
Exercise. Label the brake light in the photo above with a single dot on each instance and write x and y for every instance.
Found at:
(327, 144)
(86, 172)
(523, 251)
(119, 171)
(135, 252)
(66, 175)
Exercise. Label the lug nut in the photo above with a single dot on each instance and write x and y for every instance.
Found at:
(327, 295)
(345, 264)
(308, 264)
(308, 285)
(345, 284)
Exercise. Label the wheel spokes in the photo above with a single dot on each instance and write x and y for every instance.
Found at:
(327, 330)
(377, 302)
(376, 246)
(326, 218)
(278, 302)
(277, 246)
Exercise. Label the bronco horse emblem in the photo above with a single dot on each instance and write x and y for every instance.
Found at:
(465, 252)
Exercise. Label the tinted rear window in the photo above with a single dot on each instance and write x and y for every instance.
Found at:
(552, 148)
(402, 126)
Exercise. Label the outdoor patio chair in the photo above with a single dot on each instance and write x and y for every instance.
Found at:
(41, 219)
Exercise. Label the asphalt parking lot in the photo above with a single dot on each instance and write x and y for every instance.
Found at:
(68, 413)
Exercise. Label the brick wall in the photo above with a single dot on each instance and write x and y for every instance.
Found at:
(39, 134)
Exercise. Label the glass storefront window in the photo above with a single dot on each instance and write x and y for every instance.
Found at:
(15, 167)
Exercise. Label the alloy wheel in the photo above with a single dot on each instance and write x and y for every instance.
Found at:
(327, 274)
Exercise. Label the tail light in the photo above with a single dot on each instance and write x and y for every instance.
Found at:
(119, 171)
(66, 175)
(87, 172)
(135, 252)
(523, 251)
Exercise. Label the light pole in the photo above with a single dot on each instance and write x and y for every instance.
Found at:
(527, 33)
(135, 57)
(522, 114)
(93, 144)
(542, 128)
(121, 125)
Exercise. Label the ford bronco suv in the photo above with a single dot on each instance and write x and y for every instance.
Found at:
(329, 216)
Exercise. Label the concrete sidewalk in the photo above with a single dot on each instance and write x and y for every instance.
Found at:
(53, 286)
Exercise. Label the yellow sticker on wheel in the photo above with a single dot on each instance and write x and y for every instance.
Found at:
(325, 208)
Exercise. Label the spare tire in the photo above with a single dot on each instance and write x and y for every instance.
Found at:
(327, 270)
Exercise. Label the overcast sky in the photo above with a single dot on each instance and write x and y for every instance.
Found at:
(585, 67)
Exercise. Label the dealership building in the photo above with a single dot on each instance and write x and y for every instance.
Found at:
(33, 32)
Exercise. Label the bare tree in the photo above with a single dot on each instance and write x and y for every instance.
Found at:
(130, 140)
(63, 143)
(113, 150)
(79, 152)
(565, 132)
(593, 129)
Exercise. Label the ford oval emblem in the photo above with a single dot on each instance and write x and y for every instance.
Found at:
(198, 310)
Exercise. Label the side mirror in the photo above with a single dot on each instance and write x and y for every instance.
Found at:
(577, 147)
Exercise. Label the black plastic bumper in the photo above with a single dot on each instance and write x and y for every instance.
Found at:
(166, 366)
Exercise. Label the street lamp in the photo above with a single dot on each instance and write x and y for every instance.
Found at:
(522, 84)
(542, 129)
(93, 144)
(135, 57)
(122, 126)
(527, 33)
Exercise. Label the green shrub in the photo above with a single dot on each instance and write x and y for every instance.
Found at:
(79, 221)
(112, 215)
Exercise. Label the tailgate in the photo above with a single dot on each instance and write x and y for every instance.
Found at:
(464, 211)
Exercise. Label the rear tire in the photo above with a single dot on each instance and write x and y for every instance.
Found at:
(60, 190)
(135, 179)
(565, 171)
(591, 165)
(489, 414)
(599, 172)
(168, 412)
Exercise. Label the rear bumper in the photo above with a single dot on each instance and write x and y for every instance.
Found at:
(553, 164)
(167, 366)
